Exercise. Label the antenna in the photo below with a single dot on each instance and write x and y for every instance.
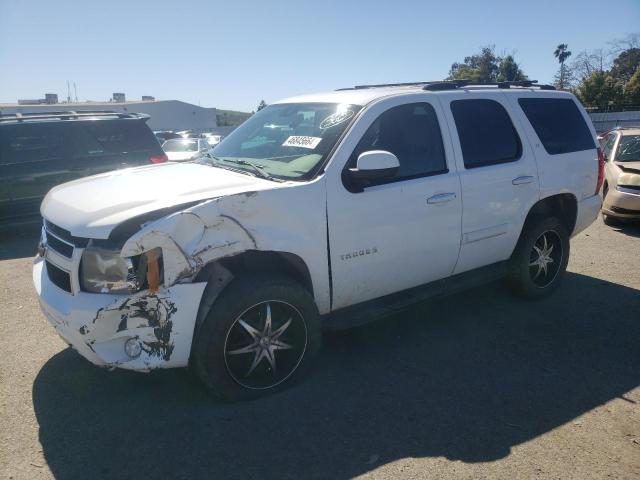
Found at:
(75, 90)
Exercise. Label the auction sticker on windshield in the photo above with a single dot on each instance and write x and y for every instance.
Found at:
(301, 141)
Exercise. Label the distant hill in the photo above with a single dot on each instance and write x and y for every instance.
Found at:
(231, 118)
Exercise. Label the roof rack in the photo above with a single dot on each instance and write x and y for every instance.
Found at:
(454, 84)
(67, 115)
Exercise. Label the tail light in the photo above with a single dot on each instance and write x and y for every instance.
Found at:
(158, 158)
(600, 171)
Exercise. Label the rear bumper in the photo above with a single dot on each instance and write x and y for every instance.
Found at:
(622, 203)
(588, 209)
(98, 325)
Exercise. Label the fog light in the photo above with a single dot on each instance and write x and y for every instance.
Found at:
(132, 348)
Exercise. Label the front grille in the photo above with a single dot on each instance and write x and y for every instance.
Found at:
(65, 234)
(630, 187)
(625, 211)
(58, 277)
(59, 246)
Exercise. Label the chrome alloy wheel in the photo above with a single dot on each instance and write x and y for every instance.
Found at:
(265, 344)
(545, 259)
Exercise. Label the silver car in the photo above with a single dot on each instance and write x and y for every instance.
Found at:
(621, 189)
(184, 149)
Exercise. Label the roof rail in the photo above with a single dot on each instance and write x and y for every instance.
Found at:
(453, 84)
(67, 115)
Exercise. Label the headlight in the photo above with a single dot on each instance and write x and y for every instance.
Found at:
(103, 270)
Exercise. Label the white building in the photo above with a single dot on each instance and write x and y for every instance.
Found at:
(165, 114)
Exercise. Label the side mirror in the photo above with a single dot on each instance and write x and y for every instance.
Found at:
(374, 165)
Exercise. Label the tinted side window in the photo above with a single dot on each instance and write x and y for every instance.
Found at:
(32, 142)
(487, 135)
(558, 124)
(412, 133)
(113, 136)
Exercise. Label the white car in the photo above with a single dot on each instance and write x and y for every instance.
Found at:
(324, 210)
(184, 149)
(213, 139)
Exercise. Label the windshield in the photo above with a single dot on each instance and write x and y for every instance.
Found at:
(629, 149)
(180, 146)
(286, 141)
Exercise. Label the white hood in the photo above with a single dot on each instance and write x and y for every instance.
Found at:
(92, 206)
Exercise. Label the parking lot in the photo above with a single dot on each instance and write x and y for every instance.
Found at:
(476, 385)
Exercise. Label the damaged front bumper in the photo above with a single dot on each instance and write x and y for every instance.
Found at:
(99, 325)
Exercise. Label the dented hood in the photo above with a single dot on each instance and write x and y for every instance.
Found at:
(92, 206)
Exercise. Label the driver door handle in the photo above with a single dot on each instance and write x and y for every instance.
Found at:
(523, 180)
(441, 198)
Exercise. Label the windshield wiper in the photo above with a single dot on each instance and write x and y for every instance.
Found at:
(256, 168)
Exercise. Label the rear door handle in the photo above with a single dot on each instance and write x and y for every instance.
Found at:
(441, 198)
(523, 180)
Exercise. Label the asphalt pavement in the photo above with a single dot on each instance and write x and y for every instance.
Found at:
(476, 385)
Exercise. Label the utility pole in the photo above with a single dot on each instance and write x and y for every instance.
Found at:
(68, 92)
(75, 90)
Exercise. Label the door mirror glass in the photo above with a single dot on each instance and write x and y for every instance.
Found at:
(374, 165)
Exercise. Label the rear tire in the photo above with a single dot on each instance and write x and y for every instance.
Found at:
(259, 337)
(540, 258)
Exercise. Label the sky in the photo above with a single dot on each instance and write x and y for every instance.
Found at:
(234, 53)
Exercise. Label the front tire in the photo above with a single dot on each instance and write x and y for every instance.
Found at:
(259, 337)
(540, 259)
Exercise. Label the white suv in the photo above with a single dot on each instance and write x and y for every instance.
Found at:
(324, 210)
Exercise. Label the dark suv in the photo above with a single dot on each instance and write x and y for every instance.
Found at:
(39, 151)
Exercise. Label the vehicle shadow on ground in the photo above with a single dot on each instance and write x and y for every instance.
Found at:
(628, 228)
(467, 377)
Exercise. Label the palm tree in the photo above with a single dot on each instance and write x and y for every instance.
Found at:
(562, 53)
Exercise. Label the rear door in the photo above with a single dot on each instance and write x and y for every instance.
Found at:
(498, 175)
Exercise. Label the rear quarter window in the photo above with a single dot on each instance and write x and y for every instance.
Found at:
(558, 123)
(114, 136)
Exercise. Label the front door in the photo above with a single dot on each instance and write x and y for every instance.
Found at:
(398, 233)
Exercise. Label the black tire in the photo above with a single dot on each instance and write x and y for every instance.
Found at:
(529, 278)
(225, 348)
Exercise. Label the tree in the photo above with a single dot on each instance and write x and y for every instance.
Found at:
(600, 90)
(486, 66)
(261, 105)
(509, 70)
(562, 53)
(587, 62)
(626, 64)
(632, 89)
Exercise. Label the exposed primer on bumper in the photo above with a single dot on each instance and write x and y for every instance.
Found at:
(98, 325)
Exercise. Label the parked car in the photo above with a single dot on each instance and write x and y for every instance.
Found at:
(621, 189)
(39, 151)
(164, 135)
(320, 211)
(184, 149)
(213, 139)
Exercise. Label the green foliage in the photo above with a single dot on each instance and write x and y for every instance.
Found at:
(632, 89)
(599, 90)
(261, 105)
(562, 53)
(509, 70)
(486, 66)
(230, 118)
(626, 64)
